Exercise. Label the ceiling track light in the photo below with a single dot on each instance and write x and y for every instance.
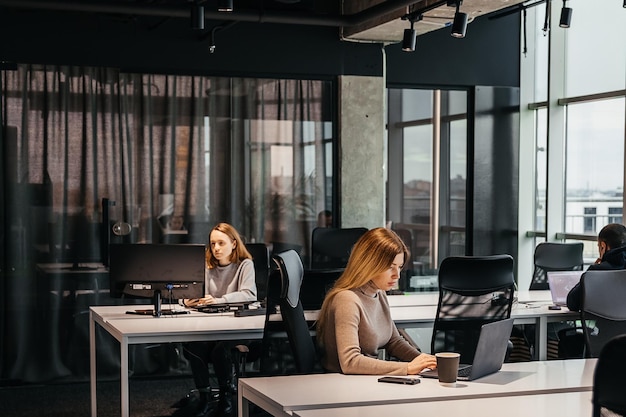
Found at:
(566, 16)
(624, 5)
(197, 16)
(224, 5)
(409, 39)
(459, 24)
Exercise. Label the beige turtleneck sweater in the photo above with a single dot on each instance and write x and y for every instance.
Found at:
(358, 325)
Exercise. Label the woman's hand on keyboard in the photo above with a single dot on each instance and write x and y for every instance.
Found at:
(199, 302)
(420, 363)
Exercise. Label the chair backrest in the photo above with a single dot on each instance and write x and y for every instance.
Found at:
(409, 266)
(554, 256)
(315, 285)
(278, 247)
(603, 311)
(473, 290)
(331, 247)
(608, 379)
(261, 258)
(285, 286)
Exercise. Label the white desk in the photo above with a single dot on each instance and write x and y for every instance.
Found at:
(431, 298)
(426, 298)
(286, 395)
(541, 405)
(132, 329)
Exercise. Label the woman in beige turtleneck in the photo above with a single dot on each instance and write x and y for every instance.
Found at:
(355, 321)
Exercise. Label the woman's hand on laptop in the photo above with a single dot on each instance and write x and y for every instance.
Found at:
(420, 363)
(197, 302)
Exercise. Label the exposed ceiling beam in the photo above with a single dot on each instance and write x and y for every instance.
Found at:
(259, 16)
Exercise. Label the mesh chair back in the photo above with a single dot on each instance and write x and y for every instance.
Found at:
(553, 256)
(603, 309)
(261, 258)
(473, 290)
(288, 277)
(331, 247)
(608, 379)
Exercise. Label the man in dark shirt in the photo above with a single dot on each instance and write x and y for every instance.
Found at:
(612, 249)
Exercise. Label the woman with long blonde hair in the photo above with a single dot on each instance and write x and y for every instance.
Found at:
(355, 320)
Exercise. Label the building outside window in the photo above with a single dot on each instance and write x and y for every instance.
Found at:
(427, 175)
(579, 123)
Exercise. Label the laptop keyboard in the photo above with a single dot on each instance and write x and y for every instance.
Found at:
(465, 372)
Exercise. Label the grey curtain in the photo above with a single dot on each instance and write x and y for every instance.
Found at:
(164, 157)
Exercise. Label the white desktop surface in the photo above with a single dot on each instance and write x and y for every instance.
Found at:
(540, 405)
(284, 395)
(176, 328)
(426, 298)
(130, 329)
(431, 298)
(533, 296)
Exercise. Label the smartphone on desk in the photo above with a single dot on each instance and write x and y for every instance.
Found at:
(399, 380)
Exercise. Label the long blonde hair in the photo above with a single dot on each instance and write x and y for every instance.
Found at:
(372, 254)
(240, 251)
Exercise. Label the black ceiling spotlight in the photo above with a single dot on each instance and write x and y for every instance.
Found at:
(459, 24)
(197, 16)
(566, 16)
(410, 35)
(224, 5)
(624, 5)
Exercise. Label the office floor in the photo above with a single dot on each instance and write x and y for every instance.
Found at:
(153, 397)
(148, 398)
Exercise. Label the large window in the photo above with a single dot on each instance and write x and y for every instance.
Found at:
(427, 140)
(594, 163)
(574, 82)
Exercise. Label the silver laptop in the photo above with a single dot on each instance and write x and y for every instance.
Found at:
(490, 352)
(561, 282)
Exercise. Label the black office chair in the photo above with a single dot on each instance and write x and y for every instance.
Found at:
(473, 290)
(411, 267)
(331, 247)
(603, 311)
(284, 292)
(261, 258)
(608, 379)
(279, 247)
(315, 285)
(553, 256)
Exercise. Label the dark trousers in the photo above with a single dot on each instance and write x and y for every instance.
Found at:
(200, 354)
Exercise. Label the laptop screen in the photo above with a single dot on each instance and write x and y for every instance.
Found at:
(561, 282)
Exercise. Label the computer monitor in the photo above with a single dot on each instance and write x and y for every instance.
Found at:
(139, 270)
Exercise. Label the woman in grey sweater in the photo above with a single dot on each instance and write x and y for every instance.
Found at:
(229, 278)
(355, 320)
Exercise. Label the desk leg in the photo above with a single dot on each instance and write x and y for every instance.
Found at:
(92, 365)
(124, 376)
(243, 405)
(541, 344)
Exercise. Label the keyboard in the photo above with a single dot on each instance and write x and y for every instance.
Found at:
(218, 308)
(250, 312)
(164, 312)
(465, 372)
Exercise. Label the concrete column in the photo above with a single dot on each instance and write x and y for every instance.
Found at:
(362, 106)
